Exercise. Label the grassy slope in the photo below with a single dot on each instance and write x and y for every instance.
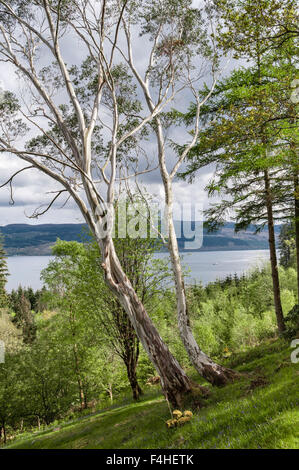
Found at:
(240, 415)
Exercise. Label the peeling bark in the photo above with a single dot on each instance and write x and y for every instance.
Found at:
(205, 366)
(175, 383)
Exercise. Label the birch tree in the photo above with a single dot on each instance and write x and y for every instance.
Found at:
(85, 126)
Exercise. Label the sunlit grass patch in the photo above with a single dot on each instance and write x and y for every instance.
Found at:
(240, 415)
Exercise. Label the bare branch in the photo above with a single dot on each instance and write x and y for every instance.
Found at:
(64, 71)
(38, 213)
(10, 181)
(21, 20)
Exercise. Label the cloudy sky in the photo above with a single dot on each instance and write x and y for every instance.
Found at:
(32, 189)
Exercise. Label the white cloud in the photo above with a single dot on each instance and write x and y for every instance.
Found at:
(31, 187)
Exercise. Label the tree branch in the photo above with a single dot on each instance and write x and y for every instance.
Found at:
(10, 181)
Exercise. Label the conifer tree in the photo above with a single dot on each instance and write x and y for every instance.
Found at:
(3, 274)
(249, 127)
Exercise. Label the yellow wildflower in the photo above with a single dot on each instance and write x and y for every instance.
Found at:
(171, 423)
(183, 420)
(177, 414)
(188, 413)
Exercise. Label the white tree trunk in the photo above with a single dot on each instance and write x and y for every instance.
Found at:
(175, 382)
(208, 369)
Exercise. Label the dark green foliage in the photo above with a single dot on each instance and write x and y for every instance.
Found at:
(75, 281)
(240, 138)
(249, 125)
(286, 245)
(25, 303)
(250, 129)
(228, 316)
(292, 322)
(237, 312)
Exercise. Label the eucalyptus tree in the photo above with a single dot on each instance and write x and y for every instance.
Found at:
(85, 137)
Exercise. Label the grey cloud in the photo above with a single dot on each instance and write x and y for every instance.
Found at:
(30, 188)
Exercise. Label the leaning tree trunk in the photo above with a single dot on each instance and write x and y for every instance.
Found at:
(273, 257)
(175, 383)
(208, 369)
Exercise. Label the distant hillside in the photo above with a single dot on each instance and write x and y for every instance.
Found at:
(25, 239)
(226, 239)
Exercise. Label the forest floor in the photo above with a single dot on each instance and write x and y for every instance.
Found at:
(261, 410)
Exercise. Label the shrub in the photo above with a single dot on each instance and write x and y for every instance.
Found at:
(292, 322)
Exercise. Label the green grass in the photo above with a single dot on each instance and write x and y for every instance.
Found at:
(261, 410)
